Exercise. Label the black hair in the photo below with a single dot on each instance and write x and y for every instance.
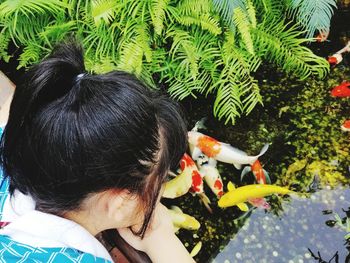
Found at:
(71, 134)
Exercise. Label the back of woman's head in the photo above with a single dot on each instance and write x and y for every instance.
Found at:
(71, 133)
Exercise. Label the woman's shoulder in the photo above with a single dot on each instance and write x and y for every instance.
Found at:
(12, 251)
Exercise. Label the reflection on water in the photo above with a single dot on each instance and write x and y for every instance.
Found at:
(266, 237)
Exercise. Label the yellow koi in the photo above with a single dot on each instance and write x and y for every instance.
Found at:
(196, 249)
(179, 185)
(238, 196)
(182, 220)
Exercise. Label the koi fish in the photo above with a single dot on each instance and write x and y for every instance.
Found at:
(212, 178)
(182, 220)
(346, 126)
(238, 196)
(261, 175)
(220, 151)
(341, 90)
(196, 249)
(259, 203)
(197, 179)
(335, 59)
(178, 186)
(322, 36)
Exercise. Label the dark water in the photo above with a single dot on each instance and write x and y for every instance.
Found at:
(301, 122)
(308, 129)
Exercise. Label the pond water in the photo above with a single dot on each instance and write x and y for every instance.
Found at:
(301, 121)
(298, 232)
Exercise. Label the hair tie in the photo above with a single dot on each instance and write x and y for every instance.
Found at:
(79, 77)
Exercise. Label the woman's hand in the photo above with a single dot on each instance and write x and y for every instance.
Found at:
(160, 242)
(160, 227)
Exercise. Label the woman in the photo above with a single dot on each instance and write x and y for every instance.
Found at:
(91, 152)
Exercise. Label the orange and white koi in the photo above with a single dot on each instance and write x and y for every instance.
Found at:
(261, 175)
(220, 151)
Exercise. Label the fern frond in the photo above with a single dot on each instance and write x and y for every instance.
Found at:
(133, 51)
(242, 23)
(205, 21)
(57, 31)
(99, 66)
(251, 13)
(228, 103)
(136, 9)
(252, 98)
(103, 10)
(180, 89)
(184, 50)
(283, 46)
(24, 34)
(313, 15)
(4, 43)
(157, 12)
(270, 9)
(131, 58)
(143, 39)
(100, 42)
(194, 7)
(30, 8)
(226, 7)
(30, 55)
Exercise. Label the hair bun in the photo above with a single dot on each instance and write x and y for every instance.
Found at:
(51, 79)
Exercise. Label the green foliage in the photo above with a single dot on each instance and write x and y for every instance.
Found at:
(190, 47)
(313, 15)
(283, 46)
(4, 42)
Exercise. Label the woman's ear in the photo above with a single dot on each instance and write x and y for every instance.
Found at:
(121, 207)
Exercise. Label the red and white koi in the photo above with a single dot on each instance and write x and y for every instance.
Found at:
(261, 175)
(197, 179)
(220, 151)
(212, 178)
(337, 57)
(346, 126)
(342, 90)
(259, 203)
